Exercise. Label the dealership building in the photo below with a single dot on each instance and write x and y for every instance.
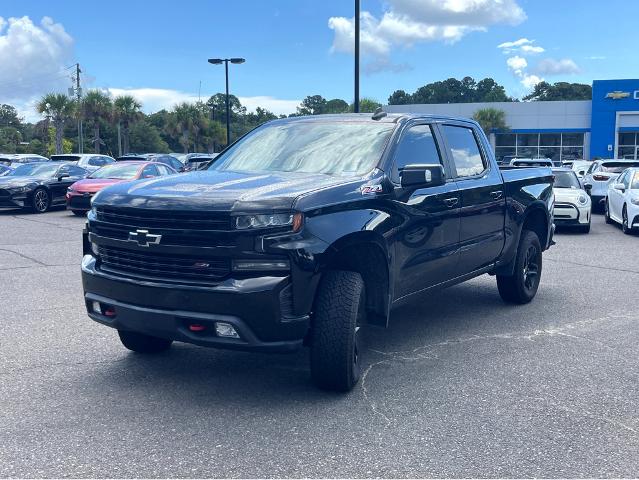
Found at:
(605, 127)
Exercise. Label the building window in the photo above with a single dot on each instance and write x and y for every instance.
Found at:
(627, 143)
(556, 146)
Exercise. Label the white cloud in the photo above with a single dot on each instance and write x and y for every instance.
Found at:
(518, 66)
(550, 66)
(33, 59)
(596, 57)
(523, 46)
(155, 99)
(406, 22)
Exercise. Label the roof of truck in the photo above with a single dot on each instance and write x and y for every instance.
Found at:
(388, 118)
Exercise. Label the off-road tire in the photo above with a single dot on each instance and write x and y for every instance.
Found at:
(521, 287)
(339, 307)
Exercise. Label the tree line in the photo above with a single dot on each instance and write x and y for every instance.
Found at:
(114, 125)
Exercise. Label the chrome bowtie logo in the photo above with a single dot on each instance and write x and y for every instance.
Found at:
(143, 238)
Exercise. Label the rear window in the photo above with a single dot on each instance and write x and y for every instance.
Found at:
(531, 164)
(66, 158)
(617, 167)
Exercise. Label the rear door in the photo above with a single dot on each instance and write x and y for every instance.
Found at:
(482, 197)
(427, 241)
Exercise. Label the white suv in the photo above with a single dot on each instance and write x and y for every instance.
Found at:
(89, 161)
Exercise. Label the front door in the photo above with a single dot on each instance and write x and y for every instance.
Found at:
(426, 243)
(483, 203)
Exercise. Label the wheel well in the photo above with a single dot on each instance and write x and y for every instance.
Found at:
(537, 221)
(369, 260)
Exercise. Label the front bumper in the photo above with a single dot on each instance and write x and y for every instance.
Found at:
(571, 214)
(253, 306)
(13, 200)
(79, 201)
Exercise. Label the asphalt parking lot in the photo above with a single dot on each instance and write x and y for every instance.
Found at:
(459, 385)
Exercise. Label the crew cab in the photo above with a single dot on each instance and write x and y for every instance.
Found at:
(307, 229)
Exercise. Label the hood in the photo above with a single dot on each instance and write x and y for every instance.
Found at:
(217, 191)
(92, 185)
(17, 181)
(568, 194)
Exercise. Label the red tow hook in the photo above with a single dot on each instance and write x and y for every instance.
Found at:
(196, 327)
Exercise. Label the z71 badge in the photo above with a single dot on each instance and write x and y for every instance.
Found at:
(371, 189)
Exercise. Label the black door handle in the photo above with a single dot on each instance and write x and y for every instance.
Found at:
(451, 202)
(497, 194)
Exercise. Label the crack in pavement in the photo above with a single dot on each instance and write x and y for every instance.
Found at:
(45, 223)
(58, 364)
(26, 257)
(612, 269)
(424, 352)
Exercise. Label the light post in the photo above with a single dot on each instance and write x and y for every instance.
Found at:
(225, 61)
(356, 101)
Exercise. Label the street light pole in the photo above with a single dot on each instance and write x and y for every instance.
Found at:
(356, 101)
(219, 61)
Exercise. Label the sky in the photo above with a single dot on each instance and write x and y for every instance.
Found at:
(157, 50)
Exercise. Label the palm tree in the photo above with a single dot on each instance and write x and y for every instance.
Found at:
(59, 108)
(98, 107)
(491, 119)
(126, 110)
(186, 120)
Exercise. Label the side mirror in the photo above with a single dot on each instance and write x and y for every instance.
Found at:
(588, 187)
(422, 176)
(619, 186)
(63, 175)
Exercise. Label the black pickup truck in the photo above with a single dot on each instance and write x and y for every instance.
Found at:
(308, 228)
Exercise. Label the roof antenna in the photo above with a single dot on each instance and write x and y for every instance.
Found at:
(379, 114)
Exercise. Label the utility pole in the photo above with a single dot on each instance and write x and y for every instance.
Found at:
(356, 101)
(78, 93)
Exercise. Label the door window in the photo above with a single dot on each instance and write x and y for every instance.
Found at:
(417, 146)
(465, 151)
(149, 171)
(164, 170)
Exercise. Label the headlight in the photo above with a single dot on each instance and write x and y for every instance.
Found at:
(245, 222)
(582, 199)
(21, 189)
(635, 200)
(70, 189)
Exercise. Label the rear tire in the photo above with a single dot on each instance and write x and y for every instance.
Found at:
(339, 307)
(607, 213)
(521, 287)
(140, 343)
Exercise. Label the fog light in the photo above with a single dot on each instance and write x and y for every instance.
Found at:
(260, 265)
(94, 249)
(97, 308)
(223, 329)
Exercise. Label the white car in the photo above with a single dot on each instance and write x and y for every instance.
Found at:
(599, 175)
(16, 159)
(572, 203)
(89, 161)
(580, 167)
(622, 201)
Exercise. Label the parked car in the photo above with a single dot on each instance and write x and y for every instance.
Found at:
(38, 186)
(164, 158)
(80, 193)
(18, 158)
(308, 228)
(197, 162)
(580, 167)
(572, 203)
(4, 170)
(599, 175)
(89, 161)
(622, 200)
(531, 162)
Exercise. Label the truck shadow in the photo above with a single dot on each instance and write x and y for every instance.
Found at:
(187, 373)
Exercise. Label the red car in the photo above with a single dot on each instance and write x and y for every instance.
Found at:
(79, 194)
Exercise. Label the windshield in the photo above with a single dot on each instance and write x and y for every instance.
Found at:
(117, 171)
(335, 148)
(566, 180)
(34, 170)
(617, 167)
(634, 185)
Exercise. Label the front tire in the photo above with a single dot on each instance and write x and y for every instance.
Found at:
(339, 307)
(140, 343)
(624, 221)
(522, 286)
(585, 228)
(607, 213)
(79, 213)
(40, 201)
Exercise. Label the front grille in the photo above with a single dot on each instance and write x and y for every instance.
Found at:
(82, 202)
(4, 195)
(167, 268)
(193, 229)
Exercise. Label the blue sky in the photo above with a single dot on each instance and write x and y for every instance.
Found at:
(158, 50)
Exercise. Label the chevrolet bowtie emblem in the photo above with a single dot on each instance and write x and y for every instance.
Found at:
(143, 238)
(617, 95)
